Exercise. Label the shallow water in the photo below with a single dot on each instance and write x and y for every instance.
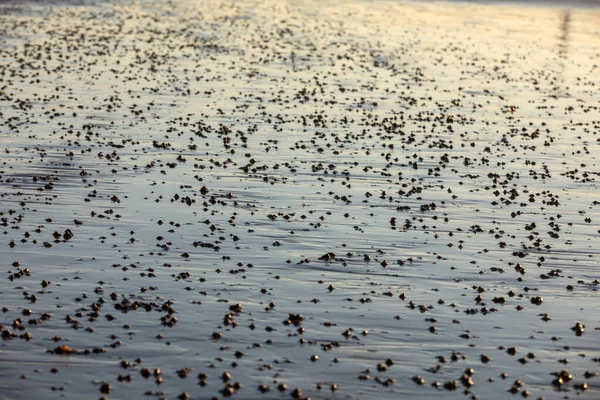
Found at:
(205, 156)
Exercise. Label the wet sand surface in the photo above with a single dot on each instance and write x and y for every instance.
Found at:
(281, 199)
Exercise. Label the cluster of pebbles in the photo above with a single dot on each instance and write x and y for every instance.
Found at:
(281, 199)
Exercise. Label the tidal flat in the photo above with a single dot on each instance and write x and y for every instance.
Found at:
(282, 199)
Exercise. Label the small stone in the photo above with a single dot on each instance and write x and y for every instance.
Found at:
(105, 388)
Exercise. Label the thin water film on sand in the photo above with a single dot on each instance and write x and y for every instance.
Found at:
(280, 199)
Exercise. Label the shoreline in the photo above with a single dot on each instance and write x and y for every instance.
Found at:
(566, 4)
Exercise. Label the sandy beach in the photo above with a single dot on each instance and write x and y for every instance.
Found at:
(281, 199)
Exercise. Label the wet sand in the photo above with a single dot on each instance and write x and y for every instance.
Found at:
(270, 199)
